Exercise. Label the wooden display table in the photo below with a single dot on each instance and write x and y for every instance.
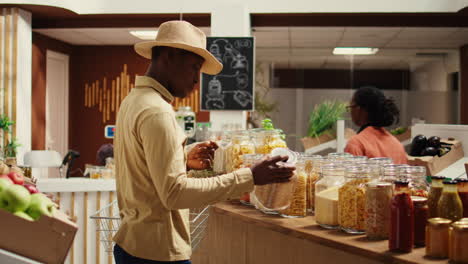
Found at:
(238, 234)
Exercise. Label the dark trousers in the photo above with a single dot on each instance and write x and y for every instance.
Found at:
(122, 257)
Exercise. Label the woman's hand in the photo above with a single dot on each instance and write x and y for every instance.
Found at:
(201, 156)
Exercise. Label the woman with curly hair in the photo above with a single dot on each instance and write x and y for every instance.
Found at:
(372, 111)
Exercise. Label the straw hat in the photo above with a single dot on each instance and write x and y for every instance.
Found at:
(182, 35)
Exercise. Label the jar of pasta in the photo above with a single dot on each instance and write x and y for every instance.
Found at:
(248, 161)
(378, 198)
(220, 160)
(267, 140)
(239, 146)
(352, 200)
(298, 205)
(326, 195)
(312, 169)
(416, 175)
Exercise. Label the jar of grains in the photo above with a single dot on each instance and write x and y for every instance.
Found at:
(326, 195)
(378, 198)
(351, 200)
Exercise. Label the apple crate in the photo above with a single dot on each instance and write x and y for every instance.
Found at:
(108, 222)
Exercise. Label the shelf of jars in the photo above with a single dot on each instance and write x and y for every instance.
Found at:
(371, 200)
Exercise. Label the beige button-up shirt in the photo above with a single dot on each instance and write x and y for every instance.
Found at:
(153, 190)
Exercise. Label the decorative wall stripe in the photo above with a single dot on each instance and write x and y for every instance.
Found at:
(98, 234)
(72, 215)
(14, 66)
(107, 97)
(111, 226)
(85, 228)
(9, 19)
(7, 68)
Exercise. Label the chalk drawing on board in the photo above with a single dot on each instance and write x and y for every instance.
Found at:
(231, 54)
(243, 98)
(242, 80)
(214, 49)
(244, 43)
(233, 88)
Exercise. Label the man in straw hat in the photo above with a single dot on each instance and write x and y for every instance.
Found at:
(153, 190)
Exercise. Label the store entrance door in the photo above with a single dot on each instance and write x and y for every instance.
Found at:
(57, 105)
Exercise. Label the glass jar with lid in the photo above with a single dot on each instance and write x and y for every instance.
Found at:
(352, 200)
(274, 197)
(220, 160)
(186, 119)
(462, 186)
(374, 170)
(312, 169)
(378, 198)
(338, 156)
(421, 212)
(381, 161)
(95, 172)
(248, 161)
(326, 195)
(239, 146)
(298, 205)
(450, 205)
(437, 237)
(416, 175)
(435, 192)
(390, 173)
(459, 240)
(357, 159)
(267, 140)
(401, 235)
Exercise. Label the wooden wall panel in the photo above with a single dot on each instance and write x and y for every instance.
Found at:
(8, 69)
(101, 77)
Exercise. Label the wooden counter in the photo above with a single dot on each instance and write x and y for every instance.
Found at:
(240, 234)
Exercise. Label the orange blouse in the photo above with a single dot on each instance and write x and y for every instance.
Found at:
(377, 142)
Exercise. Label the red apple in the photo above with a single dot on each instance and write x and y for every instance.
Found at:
(4, 176)
(31, 188)
(16, 178)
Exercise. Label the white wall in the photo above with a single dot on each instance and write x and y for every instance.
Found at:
(257, 6)
(23, 105)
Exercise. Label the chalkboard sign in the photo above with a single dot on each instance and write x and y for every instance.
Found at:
(233, 87)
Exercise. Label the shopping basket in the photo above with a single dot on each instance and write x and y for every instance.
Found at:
(108, 221)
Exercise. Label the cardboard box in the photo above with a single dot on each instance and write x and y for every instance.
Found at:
(436, 164)
(46, 240)
(310, 142)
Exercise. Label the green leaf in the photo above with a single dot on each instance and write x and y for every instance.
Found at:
(324, 116)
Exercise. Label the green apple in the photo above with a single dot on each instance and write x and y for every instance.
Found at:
(5, 183)
(40, 205)
(24, 215)
(15, 198)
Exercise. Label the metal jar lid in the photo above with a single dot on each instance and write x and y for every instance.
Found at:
(439, 222)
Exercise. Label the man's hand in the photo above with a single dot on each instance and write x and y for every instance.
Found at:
(201, 156)
(273, 169)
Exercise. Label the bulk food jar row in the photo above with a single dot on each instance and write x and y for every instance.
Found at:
(357, 195)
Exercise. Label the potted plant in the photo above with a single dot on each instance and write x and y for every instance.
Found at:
(9, 150)
(322, 120)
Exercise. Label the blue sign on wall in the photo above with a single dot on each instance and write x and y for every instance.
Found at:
(109, 131)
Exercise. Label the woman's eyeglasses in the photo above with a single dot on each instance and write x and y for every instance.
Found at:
(349, 107)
